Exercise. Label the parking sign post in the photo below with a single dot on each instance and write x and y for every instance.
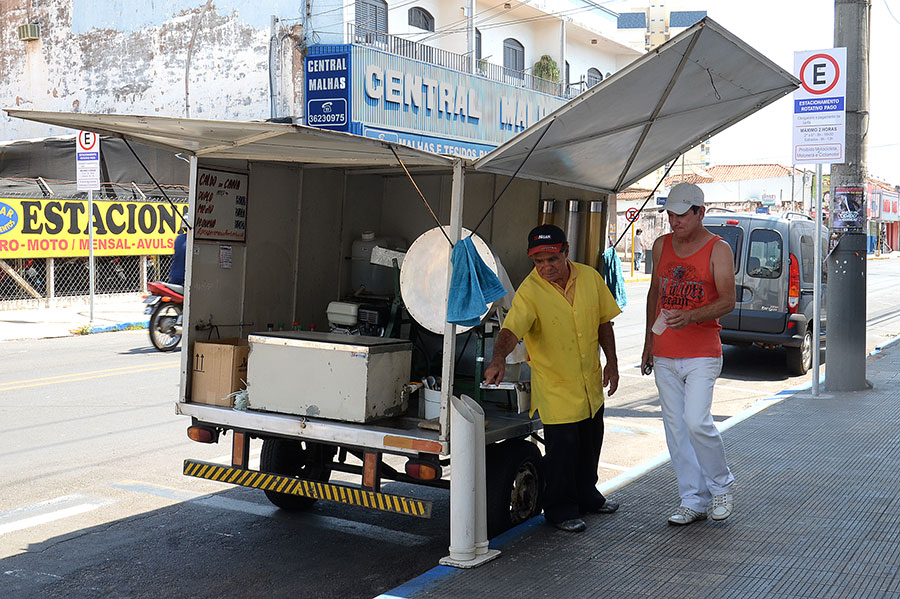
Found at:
(87, 169)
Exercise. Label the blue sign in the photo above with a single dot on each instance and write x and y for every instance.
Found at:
(328, 91)
(9, 218)
(762, 209)
(436, 145)
(807, 105)
(660, 200)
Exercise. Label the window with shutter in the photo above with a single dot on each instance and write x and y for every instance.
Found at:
(513, 54)
(421, 18)
(594, 77)
(371, 16)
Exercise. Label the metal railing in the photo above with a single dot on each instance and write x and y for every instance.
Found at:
(399, 46)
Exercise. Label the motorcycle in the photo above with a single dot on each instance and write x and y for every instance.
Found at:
(164, 305)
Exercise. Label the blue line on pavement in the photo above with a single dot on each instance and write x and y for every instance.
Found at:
(121, 326)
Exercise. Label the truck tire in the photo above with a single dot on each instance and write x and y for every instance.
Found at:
(799, 359)
(303, 459)
(515, 484)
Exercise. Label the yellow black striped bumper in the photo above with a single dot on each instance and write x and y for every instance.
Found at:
(308, 488)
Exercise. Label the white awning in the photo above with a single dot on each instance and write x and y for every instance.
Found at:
(242, 140)
(647, 114)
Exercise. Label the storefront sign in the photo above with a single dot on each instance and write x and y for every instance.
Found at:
(417, 103)
(59, 228)
(328, 91)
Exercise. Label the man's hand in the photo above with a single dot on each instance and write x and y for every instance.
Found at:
(611, 377)
(495, 371)
(678, 319)
(647, 357)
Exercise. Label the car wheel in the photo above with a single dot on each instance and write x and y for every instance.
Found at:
(799, 359)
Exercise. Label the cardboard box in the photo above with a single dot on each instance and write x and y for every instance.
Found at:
(218, 370)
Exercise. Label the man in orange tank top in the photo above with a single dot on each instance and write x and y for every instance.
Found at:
(691, 287)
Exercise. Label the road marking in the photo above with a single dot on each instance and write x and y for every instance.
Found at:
(83, 376)
(359, 529)
(48, 511)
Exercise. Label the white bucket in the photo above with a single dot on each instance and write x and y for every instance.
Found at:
(432, 403)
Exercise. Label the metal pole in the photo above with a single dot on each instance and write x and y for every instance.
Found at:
(632, 249)
(573, 222)
(817, 285)
(91, 275)
(846, 291)
(470, 34)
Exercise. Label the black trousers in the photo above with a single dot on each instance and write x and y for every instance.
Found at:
(572, 453)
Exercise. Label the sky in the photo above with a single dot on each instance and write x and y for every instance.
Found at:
(778, 28)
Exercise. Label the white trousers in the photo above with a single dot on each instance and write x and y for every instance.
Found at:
(698, 456)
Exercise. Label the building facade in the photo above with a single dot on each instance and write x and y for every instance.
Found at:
(243, 60)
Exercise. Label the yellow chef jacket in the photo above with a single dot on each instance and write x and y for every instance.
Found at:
(563, 343)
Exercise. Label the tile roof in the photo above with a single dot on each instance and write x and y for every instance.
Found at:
(633, 193)
(734, 172)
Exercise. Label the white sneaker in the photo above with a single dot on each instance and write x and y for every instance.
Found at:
(721, 506)
(685, 515)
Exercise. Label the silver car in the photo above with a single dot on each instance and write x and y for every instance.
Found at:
(774, 262)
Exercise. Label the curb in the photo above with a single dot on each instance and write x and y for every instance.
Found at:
(121, 326)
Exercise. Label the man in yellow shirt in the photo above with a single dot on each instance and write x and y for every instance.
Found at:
(564, 311)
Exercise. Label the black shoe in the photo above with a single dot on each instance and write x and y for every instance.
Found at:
(608, 507)
(573, 525)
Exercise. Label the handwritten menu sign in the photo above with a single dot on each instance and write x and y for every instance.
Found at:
(221, 205)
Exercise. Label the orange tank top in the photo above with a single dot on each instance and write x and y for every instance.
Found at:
(684, 284)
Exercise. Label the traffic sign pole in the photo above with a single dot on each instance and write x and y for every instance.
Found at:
(87, 168)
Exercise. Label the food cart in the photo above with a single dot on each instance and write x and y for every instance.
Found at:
(275, 211)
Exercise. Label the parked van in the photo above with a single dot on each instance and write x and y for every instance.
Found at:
(774, 261)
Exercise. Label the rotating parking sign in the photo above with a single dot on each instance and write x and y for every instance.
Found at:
(819, 115)
(87, 161)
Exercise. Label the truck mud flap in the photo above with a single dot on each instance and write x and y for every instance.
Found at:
(344, 494)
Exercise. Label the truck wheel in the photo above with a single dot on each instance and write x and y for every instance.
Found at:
(302, 459)
(515, 484)
(799, 359)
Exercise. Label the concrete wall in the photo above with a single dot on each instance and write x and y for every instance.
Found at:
(129, 57)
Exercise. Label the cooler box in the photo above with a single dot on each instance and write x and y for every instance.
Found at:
(340, 377)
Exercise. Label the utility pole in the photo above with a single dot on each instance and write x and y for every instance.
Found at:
(846, 266)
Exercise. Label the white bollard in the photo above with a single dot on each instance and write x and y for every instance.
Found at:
(462, 480)
(468, 508)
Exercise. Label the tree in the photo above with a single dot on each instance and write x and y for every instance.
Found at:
(546, 68)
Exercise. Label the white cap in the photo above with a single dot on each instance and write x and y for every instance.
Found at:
(682, 197)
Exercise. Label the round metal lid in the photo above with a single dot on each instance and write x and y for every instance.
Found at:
(423, 278)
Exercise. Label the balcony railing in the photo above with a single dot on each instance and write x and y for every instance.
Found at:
(458, 62)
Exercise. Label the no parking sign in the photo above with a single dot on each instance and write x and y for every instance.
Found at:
(819, 114)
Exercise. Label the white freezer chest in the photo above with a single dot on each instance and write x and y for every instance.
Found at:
(340, 377)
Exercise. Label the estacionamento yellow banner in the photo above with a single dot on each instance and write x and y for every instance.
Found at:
(50, 228)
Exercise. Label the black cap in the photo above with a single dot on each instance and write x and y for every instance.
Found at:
(546, 238)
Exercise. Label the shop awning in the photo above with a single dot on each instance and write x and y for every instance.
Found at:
(647, 114)
(242, 140)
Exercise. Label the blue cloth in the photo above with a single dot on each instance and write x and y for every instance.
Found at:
(176, 270)
(473, 286)
(612, 274)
